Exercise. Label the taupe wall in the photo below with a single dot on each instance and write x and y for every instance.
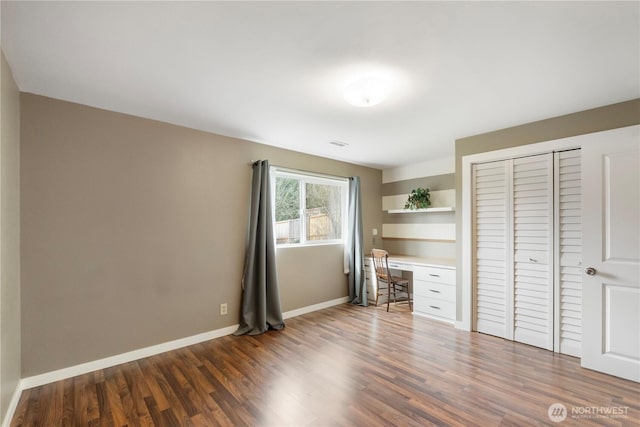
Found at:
(133, 232)
(9, 238)
(584, 122)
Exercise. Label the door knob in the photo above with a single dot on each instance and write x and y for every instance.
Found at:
(590, 271)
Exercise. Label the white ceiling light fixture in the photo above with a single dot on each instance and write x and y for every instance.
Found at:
(366, 92)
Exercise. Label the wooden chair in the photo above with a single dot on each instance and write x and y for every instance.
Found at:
(395, 285)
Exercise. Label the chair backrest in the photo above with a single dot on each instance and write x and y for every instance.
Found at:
(380, 263)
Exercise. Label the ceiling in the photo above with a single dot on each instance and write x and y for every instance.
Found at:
(275, 72)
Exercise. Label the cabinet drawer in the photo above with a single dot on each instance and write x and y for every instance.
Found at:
(394, 265)
(435, 290)
(434, 274)
(433, 307)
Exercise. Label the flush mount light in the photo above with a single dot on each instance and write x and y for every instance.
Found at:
(366, 92)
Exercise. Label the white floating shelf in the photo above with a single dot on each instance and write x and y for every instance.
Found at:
(443, 209)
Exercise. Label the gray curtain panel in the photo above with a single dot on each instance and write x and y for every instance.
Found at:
(260, 296)
(354, 257)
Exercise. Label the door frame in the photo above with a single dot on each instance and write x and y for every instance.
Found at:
(467, 305)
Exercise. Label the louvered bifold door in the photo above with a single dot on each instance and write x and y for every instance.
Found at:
(491, 205)
(533, 250)
(568, 247)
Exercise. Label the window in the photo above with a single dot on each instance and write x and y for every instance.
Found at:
(309, 209)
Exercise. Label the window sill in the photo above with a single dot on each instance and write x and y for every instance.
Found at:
(308, 244)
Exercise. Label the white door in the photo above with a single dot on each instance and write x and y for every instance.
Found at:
(492, 233)
(568, 252)
(611, 252)
(533, 250)
(513, 240)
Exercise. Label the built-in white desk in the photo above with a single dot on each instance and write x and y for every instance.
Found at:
(434, 284)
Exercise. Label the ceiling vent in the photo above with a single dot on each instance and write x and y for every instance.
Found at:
(339, 143)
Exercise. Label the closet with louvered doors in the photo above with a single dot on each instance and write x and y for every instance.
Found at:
(526, 217)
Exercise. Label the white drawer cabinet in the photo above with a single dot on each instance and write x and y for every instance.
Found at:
(438, 309)
(370, 281)
(446, 276)
(434, 286)
(434, 290)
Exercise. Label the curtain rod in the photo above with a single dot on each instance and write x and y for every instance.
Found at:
(302, 171)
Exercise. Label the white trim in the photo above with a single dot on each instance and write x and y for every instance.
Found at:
(310, 243)
(557, 318)
(553, 231)
(525, 150)
(83, 368)
(13, 405)
(509, 318)
(467, 250)
(310, 178)
(315, 307)
(297, 173)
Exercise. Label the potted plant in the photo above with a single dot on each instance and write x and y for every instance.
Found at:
(418, 199)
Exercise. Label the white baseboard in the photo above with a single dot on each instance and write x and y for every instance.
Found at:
(13, 404)
(460, 324)
(315, 307)
(72, 371)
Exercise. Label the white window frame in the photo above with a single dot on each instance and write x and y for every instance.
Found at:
(311, 178)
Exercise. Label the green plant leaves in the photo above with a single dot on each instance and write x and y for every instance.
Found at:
(419, 198)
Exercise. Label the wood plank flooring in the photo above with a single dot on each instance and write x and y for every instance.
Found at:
(343, 366)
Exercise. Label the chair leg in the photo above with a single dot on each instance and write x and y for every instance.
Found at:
(388, 295)
(393, 290)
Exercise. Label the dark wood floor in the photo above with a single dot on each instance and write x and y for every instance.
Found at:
(345, 365)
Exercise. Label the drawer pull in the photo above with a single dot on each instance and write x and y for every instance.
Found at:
(434, 275)
(433, 290)
(433, 306)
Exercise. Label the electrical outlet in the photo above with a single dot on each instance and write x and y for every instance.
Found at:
(223, 309)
